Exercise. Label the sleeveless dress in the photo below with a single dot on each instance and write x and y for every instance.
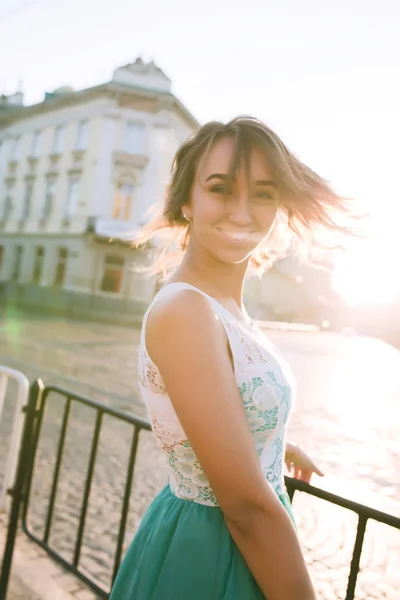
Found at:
(183, 549)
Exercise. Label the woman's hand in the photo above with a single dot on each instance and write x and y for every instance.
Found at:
(299, 464)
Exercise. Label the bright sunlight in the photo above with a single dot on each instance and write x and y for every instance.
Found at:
(368, 274)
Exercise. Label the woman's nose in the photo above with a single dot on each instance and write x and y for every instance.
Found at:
(239, 212)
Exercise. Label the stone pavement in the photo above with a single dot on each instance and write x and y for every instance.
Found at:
(35, 576)
(346, 416)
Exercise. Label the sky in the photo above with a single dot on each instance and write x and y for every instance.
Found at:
(324, 75)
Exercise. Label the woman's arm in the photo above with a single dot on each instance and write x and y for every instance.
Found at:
(189, 347)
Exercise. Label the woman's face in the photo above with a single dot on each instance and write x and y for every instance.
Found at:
(230, 226)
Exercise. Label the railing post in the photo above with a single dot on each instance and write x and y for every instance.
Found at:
(355, 562)
(290, 487)
(6, 373)
(18, 490)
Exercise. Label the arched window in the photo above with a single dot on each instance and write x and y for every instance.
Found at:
(123, 200)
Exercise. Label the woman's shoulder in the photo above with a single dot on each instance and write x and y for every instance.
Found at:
(180, 315)
(178, 304)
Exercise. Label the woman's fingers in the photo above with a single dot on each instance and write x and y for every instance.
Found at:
(318, 471)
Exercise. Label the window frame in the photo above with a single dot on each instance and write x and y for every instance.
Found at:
(123, 203)
(27, 204)
(129, 144)
(58, 139)
(15, 274)
(71, 205)
(47, 207)
(110, 270)
(62, 261)
(15, 151)
(34, 280)
(8, 203)
(82, 135)
(36, 143)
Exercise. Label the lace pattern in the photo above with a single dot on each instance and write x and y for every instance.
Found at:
(265, 390)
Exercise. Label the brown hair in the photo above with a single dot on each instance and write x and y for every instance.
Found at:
(308, 205)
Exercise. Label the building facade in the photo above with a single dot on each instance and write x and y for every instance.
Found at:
(78, 172)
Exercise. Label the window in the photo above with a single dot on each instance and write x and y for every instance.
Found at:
(72, 199)
(123, 202)
(61, 267)
(134, 138)
(49, 199)
(7, 208)
(58, 140)
(112, 274)
(81, 140)
(16, 269)
(15, 147)
(38, 265)
(36, 144)
(26, 210)
(161, 137)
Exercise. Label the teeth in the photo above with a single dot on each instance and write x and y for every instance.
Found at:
(237, 236)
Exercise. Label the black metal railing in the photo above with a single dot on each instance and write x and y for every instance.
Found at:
(364, 513)
(39, 397)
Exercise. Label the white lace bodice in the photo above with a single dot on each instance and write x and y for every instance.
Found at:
(265, 384)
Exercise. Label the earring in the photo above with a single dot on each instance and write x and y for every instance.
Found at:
(185, 217)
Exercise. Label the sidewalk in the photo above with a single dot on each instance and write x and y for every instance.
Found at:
(35, 576)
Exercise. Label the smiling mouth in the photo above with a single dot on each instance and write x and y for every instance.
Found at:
(237, 236)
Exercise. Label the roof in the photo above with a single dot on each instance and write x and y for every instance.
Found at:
(12, 114)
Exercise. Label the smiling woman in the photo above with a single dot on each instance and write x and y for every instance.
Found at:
(217, 392)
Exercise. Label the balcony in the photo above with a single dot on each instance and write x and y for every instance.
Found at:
(54, 166)
(111, 229)
(12, 168)
(125, 159)
(32, 162)
(77, 161)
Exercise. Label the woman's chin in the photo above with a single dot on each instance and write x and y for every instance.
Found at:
(233, 257)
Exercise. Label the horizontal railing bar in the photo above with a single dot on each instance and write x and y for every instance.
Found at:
(108, 410)
(360, 509)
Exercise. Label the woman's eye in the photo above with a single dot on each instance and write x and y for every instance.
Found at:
(265, 196)
(218, 189)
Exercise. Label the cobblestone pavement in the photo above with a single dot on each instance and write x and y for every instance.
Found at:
(347, 416)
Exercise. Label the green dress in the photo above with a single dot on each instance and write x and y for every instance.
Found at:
(183, 549)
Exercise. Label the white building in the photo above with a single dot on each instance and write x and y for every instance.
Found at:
(75, 170)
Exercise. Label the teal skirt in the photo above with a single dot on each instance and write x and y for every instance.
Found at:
(184, 551)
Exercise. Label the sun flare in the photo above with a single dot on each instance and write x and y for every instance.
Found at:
(369, 275)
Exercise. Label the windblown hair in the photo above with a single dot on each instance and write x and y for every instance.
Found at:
(309, 208)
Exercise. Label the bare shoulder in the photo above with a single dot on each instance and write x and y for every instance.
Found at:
(181, 317)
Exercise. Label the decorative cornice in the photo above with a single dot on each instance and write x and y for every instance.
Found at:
(115, 90)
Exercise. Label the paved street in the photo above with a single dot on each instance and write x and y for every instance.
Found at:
(347, 416)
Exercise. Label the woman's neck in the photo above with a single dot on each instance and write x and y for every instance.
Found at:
(216, 279)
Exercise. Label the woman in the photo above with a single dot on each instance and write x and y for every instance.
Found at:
(217, 391)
